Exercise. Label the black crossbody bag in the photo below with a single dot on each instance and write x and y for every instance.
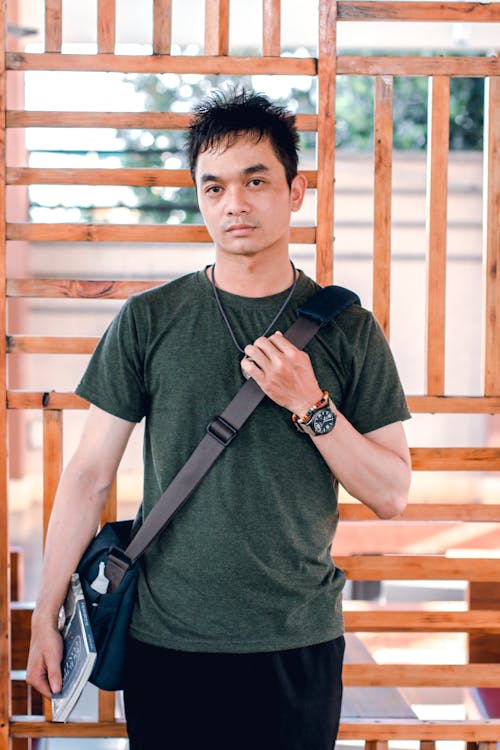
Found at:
(120, 548)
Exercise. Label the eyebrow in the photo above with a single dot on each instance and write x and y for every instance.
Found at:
(253, 169)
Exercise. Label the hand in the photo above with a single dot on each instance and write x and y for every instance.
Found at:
(44, 660)
(284, 372)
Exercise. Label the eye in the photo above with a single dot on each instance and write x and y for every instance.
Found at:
(213, 189)
(255, 181)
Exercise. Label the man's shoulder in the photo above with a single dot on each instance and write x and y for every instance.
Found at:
(166, 294)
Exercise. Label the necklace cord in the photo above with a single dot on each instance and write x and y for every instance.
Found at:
(224, 314)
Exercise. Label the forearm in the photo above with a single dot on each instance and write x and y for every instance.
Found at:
(74, 519)
(370, 471)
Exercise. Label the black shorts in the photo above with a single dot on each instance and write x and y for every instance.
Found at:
(282, 700)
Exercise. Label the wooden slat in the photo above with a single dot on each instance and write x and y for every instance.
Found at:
(5, 646)
(210, 65)
(382, 202)
(456, 459)
(106, 22)
(325, 156)
(418, 567)
(437, 203)
(492, 237)
(33, 400)
(51, 344)
(131, 120)
(422, 622)
(470, 67)
(138, 177)
(360, 729)
(76, 289)
(350, 10)
(421, 675)
(216, 27)
(162, 26)
(127, 233)
(452, 512)
(52, 460)
(44, 400)
(53, 25)
(271, 28)
(454, 405)
(418, 729)
(106, 699)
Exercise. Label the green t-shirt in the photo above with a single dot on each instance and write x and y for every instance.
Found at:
(246, 564)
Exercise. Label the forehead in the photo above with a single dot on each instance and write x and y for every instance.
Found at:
(238, 154)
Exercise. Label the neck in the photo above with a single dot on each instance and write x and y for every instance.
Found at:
(244, 277)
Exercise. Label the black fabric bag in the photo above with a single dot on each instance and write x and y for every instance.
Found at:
(109, 614)
(120, 548)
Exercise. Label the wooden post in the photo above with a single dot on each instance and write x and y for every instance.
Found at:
(162, 26)
(437, 199)
(271, 28)
(216, 27)
(327, 72)
(382, 201)
(106, 22)
(5, 650)
(53, 25)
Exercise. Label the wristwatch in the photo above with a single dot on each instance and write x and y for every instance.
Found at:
(319, 420)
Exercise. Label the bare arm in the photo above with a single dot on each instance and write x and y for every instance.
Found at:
(80, 498)
(374, 468)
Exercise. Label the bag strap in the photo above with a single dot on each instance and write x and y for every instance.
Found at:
(315, 313)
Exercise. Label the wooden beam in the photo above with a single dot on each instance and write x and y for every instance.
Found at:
(106, 23)
(454, 404)
(418, 567)
(127, 120)
(469, 67)
(325, 155)
(437, 204)
(207, 64)
(431, 511)
(410, 621)
(382, 202)
(162, 26)
(139, 177)
(216, 27)
(51, 344)
(53, 25)
(271, 28)
(491, 236)
(5, 630)
(357, 729)
(421, 675)
(128, 233)
(419, 11)
(52, 460)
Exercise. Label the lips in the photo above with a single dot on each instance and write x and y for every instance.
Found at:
(240, 227)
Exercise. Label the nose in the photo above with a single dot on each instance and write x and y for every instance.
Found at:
(236, 201)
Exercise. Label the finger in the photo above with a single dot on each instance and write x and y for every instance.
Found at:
(251, 369)
(55, 678)
(283, 345)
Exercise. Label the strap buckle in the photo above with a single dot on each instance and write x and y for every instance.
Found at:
(222, 431)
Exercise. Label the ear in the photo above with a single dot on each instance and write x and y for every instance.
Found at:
(297, 191)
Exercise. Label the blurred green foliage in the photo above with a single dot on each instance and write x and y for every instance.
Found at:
(354, 127)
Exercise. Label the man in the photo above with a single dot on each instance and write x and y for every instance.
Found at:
(236, 639)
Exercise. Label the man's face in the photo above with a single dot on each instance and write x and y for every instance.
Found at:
(244, 197)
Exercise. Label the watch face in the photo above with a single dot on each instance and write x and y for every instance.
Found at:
(323, 421)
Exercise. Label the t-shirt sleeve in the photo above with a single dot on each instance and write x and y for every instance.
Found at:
(114, 378)
(375, 396)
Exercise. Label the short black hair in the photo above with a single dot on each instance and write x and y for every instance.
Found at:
(222, 117)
